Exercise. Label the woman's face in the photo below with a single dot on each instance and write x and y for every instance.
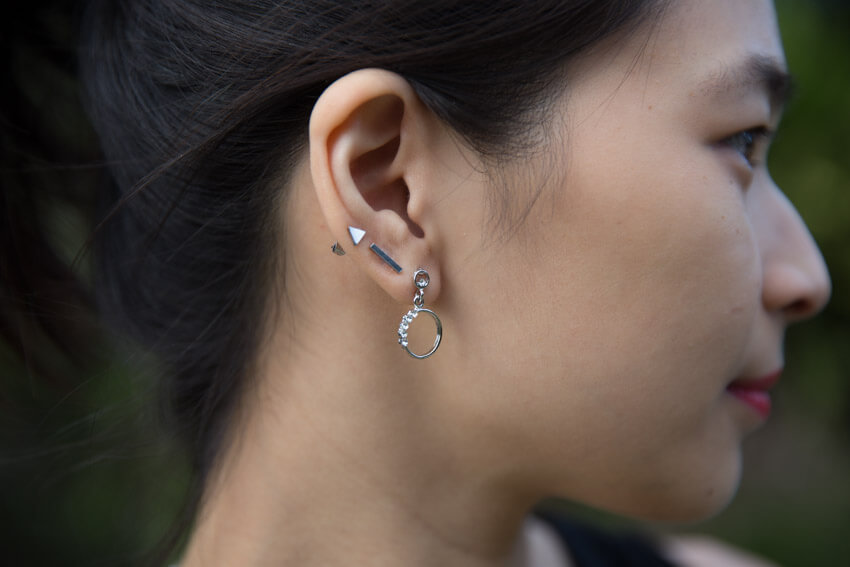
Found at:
(658, 268)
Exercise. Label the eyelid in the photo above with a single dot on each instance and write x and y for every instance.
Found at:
(761, 138)
(761, 133)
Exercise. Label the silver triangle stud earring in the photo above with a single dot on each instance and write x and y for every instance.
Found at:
(356, 234)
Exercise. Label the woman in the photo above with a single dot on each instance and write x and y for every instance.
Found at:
(571, 198)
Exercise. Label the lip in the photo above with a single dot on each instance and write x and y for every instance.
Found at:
(754, 392)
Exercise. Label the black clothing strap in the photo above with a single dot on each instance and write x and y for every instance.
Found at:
(592, 547)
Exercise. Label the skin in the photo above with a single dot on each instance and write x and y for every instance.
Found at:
(586, 353)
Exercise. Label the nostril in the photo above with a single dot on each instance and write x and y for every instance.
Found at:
(801, 309)
(796, 293)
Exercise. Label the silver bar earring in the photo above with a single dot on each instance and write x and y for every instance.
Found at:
(383, 256)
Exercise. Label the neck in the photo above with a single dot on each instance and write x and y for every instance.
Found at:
(336, 467)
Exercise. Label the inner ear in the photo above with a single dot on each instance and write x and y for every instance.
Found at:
(375, 172)
(373, 168)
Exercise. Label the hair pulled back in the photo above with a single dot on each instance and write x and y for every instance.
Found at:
(202, 108)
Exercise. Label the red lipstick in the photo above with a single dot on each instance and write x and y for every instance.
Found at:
(754, 392)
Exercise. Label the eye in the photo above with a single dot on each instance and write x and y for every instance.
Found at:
(750, 144)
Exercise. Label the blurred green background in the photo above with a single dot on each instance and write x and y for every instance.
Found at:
(88, 476)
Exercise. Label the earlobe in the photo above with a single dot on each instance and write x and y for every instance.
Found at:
(366, 135)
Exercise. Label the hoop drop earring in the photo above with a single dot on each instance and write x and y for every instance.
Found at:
(421, 279)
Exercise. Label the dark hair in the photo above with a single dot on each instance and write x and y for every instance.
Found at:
(202, 109)
(201, 105)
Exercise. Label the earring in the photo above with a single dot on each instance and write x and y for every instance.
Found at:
(385, 257)
(356, 235)
(421, 279)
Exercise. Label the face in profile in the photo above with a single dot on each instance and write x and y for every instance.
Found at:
(635, 321)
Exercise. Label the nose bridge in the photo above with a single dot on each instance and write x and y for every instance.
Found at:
(796, 280)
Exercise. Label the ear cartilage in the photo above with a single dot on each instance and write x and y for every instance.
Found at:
(337, 249)
(357, 234)
(383, 256)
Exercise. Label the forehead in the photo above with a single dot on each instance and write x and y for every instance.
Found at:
(715, 38)
(695, 48)
(697, 53)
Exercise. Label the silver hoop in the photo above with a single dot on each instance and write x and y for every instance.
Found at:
(421, 279)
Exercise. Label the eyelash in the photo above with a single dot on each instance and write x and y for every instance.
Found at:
(748, 142)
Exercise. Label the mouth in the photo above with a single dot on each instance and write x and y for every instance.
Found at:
(754, 392)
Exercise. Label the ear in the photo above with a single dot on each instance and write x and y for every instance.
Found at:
(370, 140)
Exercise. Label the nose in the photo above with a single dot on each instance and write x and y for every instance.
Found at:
(796, 281)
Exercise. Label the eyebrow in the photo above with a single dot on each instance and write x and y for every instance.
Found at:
(757, 71)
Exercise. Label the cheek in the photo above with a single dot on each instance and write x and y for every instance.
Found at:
(669, 271)
(609, 330)
(659, 303)
(675, 287)
(649, 290)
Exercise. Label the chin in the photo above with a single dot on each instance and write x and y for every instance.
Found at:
(687, 500)
(697, 502)
(683, 513)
